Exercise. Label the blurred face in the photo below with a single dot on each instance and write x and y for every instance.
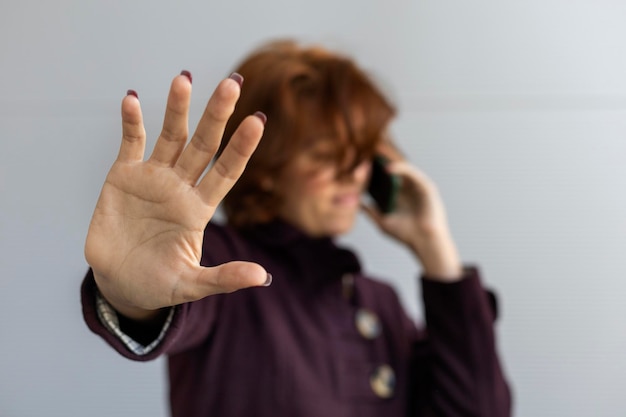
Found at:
(318, 197)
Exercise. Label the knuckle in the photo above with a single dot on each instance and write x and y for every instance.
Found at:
(218, 113)
(239, 149)
(225, 171)
(173, 135)
(222, 103)
(132, 136)
(204, 145)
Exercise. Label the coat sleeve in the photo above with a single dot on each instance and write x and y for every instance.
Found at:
(189, 325)
(456, 370)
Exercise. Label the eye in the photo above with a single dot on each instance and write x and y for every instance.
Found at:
(322, 152)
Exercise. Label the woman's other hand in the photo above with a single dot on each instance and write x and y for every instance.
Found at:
(145, 238)
(419, 220)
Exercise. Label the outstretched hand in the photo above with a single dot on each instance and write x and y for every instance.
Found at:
(145, 238)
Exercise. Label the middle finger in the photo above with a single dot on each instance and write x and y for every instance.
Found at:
(173, 136)
(208, 135)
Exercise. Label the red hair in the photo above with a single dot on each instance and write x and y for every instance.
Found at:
(300, 88)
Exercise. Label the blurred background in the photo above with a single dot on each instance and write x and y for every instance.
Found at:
(517, 110)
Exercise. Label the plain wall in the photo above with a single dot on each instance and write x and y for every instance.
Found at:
(517, 109)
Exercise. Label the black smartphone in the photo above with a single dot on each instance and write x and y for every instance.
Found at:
(383, 186)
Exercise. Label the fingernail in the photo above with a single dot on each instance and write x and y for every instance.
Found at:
(187, 74)
(268, 281)
(132, 93)
(237, 77)
(261, 116)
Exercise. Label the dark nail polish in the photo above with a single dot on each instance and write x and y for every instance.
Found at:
(261, 116)
(268, 281)
(132, 93)
(188, 75)
(237, 77)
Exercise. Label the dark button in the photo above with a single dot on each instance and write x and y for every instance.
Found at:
(367, 323)
(383, 381)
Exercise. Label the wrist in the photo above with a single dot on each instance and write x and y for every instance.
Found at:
(139, 315)
(124, 309)
(439, 257)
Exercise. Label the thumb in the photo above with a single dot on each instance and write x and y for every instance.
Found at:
(225, 278)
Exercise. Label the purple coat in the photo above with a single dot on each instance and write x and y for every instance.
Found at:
(294, 349)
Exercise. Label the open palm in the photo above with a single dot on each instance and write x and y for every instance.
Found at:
(145, 238)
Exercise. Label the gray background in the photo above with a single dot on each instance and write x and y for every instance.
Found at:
(517, 109)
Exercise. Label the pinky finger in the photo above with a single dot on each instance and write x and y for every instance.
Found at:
(133, 132)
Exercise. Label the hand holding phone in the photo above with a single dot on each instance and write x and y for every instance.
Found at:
(383, 186)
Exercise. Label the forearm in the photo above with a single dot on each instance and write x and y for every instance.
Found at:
(466, 376)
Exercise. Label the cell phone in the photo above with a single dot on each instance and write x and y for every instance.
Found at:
(383, 186)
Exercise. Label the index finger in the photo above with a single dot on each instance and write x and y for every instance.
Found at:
(230, 165)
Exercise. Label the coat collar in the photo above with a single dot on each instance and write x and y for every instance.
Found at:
(318, 259)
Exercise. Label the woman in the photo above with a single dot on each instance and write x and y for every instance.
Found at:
(323, 338)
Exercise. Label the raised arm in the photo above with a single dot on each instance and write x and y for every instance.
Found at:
(457, 364)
